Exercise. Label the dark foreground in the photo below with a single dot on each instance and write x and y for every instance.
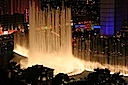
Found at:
(80, 79)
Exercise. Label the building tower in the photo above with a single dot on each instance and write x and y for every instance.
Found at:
(8, 7)
(113, 13)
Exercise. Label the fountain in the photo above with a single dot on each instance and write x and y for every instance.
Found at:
(49, 43)
(49, 40)
(21, 44)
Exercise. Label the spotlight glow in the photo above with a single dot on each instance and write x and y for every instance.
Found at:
(60, 62)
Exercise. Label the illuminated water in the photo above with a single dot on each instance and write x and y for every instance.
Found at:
(49, 44)
(49, 41)
(21, 43)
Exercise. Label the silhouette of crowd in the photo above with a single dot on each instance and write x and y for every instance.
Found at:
(99, 77)
(12, 74)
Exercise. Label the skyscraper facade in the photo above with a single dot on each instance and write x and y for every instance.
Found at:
(113, 13)
(5, 7)
(86, 10)
(13, 6)
(19, 6)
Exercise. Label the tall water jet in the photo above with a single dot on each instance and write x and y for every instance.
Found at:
(21, 44)
(50, 39)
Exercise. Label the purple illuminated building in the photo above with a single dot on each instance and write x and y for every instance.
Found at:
(113, 13)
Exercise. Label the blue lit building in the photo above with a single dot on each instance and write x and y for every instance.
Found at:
(113, 13)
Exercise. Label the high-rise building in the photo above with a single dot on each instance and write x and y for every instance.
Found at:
(113, 13)
(13, 6)
(86, 10)
(5, 7)
(19, 6)
(12, 21)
